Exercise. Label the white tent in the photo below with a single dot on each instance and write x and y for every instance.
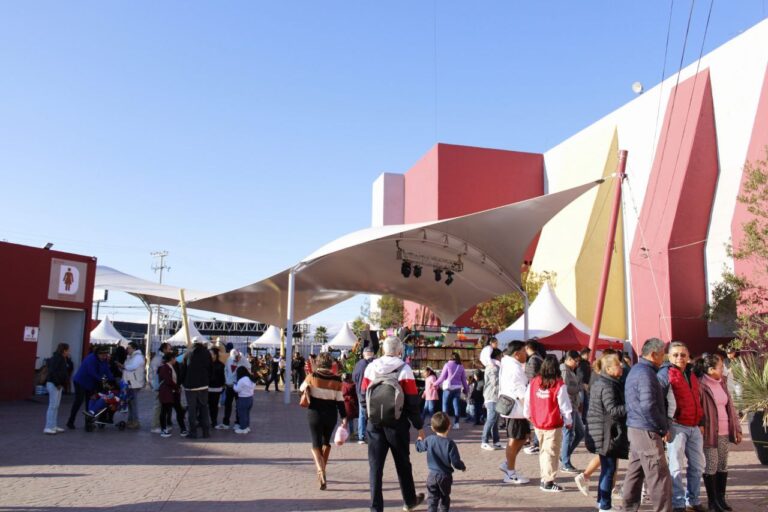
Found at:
(270, 338)
(180, 339)
(106, 334)
(345, 339)
(546, 316)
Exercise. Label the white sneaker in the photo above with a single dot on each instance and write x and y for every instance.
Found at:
(221, 426)
(156, 431)
(456, 426)
(531, 450)
(236, 427)
(49, 431)
(498, 446)
(614, 508)
(59, 429)
(582, 483)
(486, 446)
(515, 477)
(503, 467)
(240, 431)
(247, 430)
(165, 433)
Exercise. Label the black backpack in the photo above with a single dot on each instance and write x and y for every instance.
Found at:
(384, 399)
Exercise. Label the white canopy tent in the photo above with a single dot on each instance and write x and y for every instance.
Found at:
(106, 334)
(108, 278)
(345, 339)
(546, 316)
(180, 338)
(270, 339)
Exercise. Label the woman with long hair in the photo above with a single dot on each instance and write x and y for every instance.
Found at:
(453, 379)
(548, 407)
(721, 427)
(326, 401)
(55, 382)
(606, 432)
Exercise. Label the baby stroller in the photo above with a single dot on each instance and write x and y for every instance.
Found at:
(105, 405)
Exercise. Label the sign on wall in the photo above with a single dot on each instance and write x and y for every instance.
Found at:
(67, 280)
(30, 333)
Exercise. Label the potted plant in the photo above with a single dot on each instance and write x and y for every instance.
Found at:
(751, 372)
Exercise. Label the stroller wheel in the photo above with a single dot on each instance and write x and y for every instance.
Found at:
(89, 427)
(121, 425)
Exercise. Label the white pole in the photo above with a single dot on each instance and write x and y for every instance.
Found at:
(525, 315)
(289, 336)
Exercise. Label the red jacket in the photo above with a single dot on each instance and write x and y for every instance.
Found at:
(544, 408)
(687, 397)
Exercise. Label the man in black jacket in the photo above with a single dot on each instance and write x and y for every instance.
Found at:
(197, 377)
(357, 376)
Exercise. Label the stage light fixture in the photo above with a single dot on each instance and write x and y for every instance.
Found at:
(438, 274)
(405, 268)
(449, 278)
(417, 271)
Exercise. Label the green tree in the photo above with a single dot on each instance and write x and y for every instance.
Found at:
(498, 313)
(359, 325)
(392, 312)
(747, 296)
(321, 334)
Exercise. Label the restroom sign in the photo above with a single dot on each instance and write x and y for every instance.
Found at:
(30, 333)
(67, 280)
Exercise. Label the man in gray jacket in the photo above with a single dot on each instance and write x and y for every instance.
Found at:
(647, 432)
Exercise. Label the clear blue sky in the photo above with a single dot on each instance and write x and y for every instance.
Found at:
(240, 136)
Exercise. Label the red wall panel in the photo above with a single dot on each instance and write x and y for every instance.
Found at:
(667, 259)
(24, 291)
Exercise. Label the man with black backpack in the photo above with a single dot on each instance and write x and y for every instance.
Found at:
(391, 403)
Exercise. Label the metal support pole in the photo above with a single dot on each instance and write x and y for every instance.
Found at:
(609, 248)
(525, 315)
(148, 344)
(184, 318)
(289, 334)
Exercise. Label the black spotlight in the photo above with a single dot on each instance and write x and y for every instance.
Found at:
(405, 268)
(449, 277)
(417, 271)
(438, 274)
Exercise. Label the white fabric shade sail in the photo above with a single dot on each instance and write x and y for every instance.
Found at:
(490, 246)
(180, 338)
(546, 316)
(345, 339)
(270, 338)
(108, 278)
(106, 334)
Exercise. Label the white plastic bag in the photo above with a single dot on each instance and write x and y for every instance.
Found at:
(342, 434)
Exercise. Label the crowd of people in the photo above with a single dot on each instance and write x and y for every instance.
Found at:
(671, 418)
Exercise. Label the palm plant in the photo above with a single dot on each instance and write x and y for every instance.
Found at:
(751, 372)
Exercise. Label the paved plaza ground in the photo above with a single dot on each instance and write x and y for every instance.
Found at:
(268, 470)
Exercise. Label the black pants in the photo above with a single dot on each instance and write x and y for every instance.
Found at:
(439, 489)
(298, 378)
(213, 406)
(165, 413)
(229, 397)
(81, 396)
(197, 407)
(380, 441)
(273, 377)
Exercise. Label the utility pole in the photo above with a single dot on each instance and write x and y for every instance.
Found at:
(161, 255)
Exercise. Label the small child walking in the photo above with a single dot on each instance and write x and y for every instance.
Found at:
(442, 456)
(244, 389)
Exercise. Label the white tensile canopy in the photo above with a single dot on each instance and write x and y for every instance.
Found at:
(108, 278)
(546, 316)
(488, 245)
(270, 339)
(345, 339)
(180, 338)
(106, 334)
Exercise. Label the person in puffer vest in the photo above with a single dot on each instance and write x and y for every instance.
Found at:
(686, 423)
(549, 408)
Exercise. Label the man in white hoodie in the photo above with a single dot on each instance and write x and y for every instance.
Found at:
(134, 375)
(236, 360)
(513, 384)
(395, 436)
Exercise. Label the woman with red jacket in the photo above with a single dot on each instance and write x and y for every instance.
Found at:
(721, 426)
(169, 395)
(549, 408)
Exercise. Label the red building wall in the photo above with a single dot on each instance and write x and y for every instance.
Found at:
(450, 180)
(24, 290)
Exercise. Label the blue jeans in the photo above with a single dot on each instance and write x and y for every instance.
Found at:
(430, 407)
(133, 406)
(571, 439)
(244, 404)
(361, 420)
(452, 396)
(54, 400)
(686, 443)
(608, 467)
(491, 427)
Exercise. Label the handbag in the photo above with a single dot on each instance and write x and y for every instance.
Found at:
(305, 398)
(504, 405)
(342, 434)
